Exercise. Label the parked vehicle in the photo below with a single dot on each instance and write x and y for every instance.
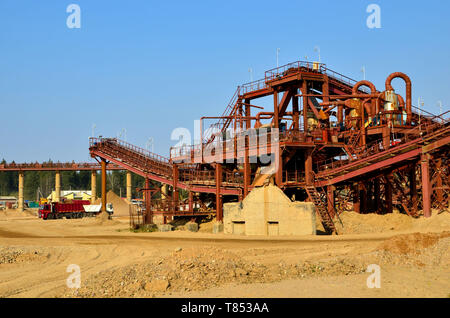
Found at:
(73, 210)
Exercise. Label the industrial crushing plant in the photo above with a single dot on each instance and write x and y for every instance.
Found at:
(341, 144)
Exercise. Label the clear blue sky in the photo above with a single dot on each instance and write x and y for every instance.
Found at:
(152, 66)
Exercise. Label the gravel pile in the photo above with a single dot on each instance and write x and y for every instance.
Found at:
(12, 255)
(200, 269)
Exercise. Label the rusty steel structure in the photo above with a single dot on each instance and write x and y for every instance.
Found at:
(339, 143)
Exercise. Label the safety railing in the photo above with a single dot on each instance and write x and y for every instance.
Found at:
(253, 86)
(294, 66)
(96, 142)
(202, 176)
(338, 76)
(295, 176)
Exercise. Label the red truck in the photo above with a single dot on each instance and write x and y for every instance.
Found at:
(74, 210)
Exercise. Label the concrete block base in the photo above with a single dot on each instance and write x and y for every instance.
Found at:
(191, 226)
(217, 227)
(267, 211)
(164, 227)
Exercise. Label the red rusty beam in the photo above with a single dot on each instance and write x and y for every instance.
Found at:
(436, 144)
(372, 167)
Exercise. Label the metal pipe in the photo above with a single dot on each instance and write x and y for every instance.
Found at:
(408, 91)
(355, 88)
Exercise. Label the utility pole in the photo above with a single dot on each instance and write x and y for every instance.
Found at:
(363, 70)
(251, 74)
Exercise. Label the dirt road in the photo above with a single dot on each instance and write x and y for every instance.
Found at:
(114, 262)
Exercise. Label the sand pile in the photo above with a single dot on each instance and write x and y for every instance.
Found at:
(102, 217)
(437, 222)
(121, 207)
(412, 243)
(11, 213)
(355, 223)
(199, 269)
(206, 226)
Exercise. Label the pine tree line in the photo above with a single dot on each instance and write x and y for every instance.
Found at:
(41, 183)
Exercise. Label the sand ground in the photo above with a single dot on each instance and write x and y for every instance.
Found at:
(114, 262)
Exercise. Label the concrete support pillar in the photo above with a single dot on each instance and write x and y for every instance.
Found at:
(57, 186)
(93, 186)
(129, 187)
(104, 199)
(388, 193)
(426, 185)
(20, 203)
(219, 206)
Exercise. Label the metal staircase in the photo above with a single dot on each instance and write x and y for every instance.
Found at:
(133, 156)
(319, 198)
(226, 119)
